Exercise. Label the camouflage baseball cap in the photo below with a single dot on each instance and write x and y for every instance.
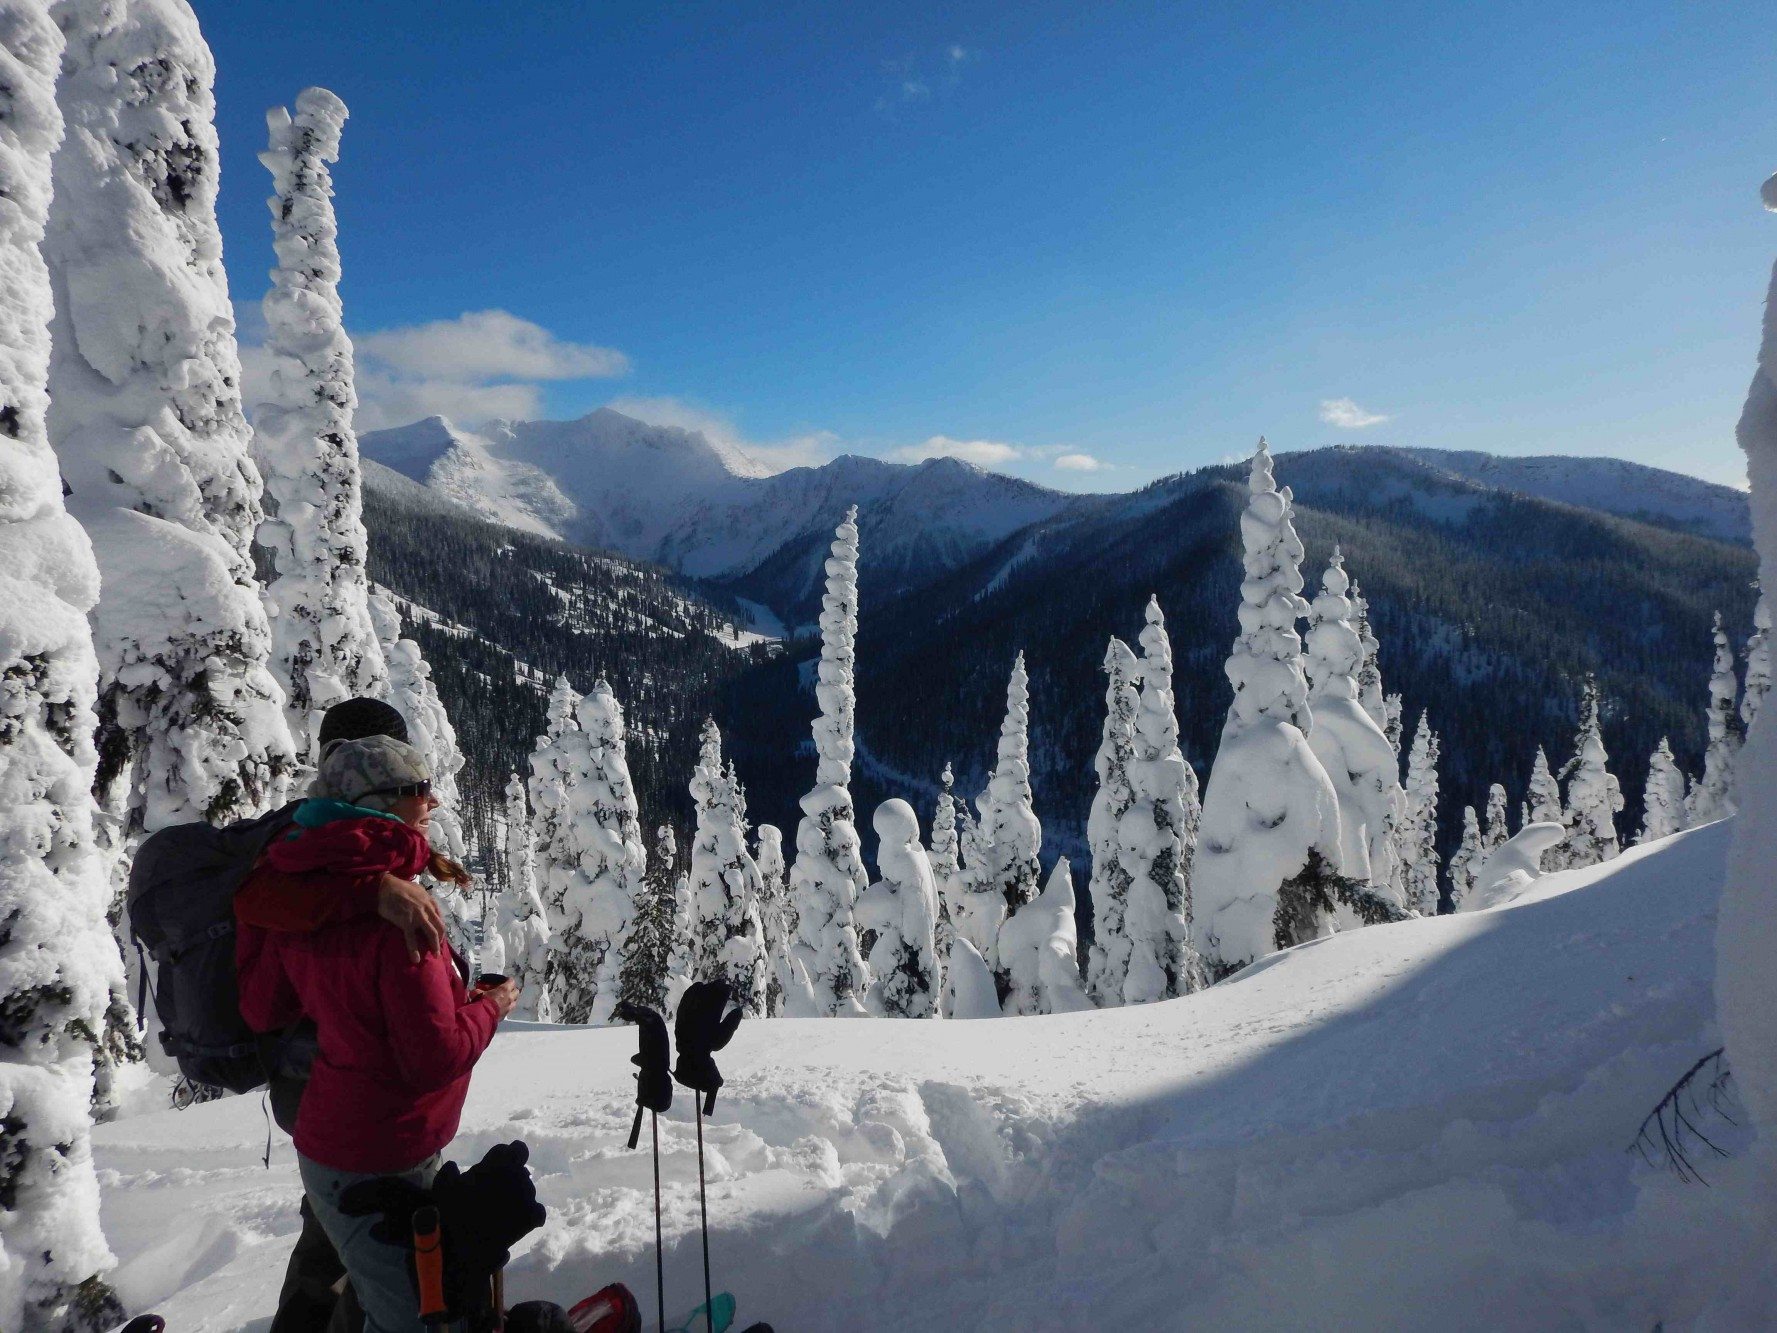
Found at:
(353, 770)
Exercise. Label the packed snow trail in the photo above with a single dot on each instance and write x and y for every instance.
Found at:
(1408, 1126)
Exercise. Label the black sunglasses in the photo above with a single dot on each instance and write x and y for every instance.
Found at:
(410, 789)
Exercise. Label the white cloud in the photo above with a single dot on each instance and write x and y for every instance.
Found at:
(1080, 463)
(1347, 415)
(482, 345)
(771, 456)
(982, 453)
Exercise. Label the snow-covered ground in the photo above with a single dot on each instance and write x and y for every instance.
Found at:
(1415, 1126)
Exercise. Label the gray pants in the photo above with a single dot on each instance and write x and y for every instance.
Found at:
(378, 1271)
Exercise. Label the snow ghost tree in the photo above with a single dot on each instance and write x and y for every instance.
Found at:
(978, 909)
(902, 909)
(413, 695)
(1663, 804)
(1542, 800)
(1713, 797)
(1270, 830)
(59, 966)
(1010, 835)
(1039, 953)
(1369, 675)
(947, 870)
(1419, 829)
(1495, 832)
(522, 927)
(326, 648)
(1746, 936)
(774, 915)
(1758, 664)
(589, 850)
(145, 417)
(1593, 797)
(1160, 835)
(829, 871)
(1350, 744)
(727, 937)
(1107, 964)
(1463, 861)
(646, 978)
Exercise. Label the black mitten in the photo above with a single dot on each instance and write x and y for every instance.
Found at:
(702, 1028)
(486, 1210)
(654, 1084)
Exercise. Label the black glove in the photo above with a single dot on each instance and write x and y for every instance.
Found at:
(702, 1028)
(654, 1085)
(482, 1212)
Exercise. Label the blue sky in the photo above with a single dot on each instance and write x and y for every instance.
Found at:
(1091, 244)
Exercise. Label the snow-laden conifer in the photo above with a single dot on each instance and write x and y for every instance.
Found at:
(59, 965)
(646, 977)
(1107, 963)
(521, 925)
(1663, 801)
(1270, 829)
(828, 873)
(1593, 796)
(1758, 664)
(1463, 861)
(969, 989)
(429, 730)
(977, 909)
(325, 647)
(1395, 709)
(1010, 836)
(1419, 829)
(1542, 802)
(1369, 676)
(1038, 949)
(775, 917)
(901, 907)
(1496, 831)
(727, 937)
(1351, 746)
(1160, 835)
(947, 871)
(1713, 796)
(145, 417)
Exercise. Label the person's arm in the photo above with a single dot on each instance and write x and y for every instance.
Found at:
(436, 1040)
(275, 900)
(268, 1001)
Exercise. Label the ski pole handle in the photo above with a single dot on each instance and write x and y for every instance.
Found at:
(635, 1128)
(428, 1265)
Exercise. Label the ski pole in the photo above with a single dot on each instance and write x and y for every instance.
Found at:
(428, 1263)
(703, 1220)
(659, 1261)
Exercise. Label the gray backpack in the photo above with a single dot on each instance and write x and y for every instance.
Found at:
(181, 910)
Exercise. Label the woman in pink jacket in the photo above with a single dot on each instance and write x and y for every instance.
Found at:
(398, 1038)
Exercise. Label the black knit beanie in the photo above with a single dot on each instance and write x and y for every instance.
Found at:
(355, 719)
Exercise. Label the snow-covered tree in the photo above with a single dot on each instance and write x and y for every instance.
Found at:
(969, 989)
(1496, 833)
(325, 647)
(1469, 854)
(1107, 962)
(1593, 797)
(976, 909)
(1542, 802)
(647, 974)
(59, 966)
(1270, 830)
(774, 915)
(1038, 948)
(1159, 835)
(589, 852)
(947, 870)
(1758, 664)
(412, 694)
(1419, 828)
(1010, 835)
(1350, 744)
(145, 417)
(1663, 803)
(901, 908)
(1713, 796)
(828, 873)
(1369, 676)
(521, 925)
(727, 936)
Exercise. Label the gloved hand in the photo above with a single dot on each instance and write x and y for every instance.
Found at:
(654, 1084)
(482, 1212)
(702, 1028)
